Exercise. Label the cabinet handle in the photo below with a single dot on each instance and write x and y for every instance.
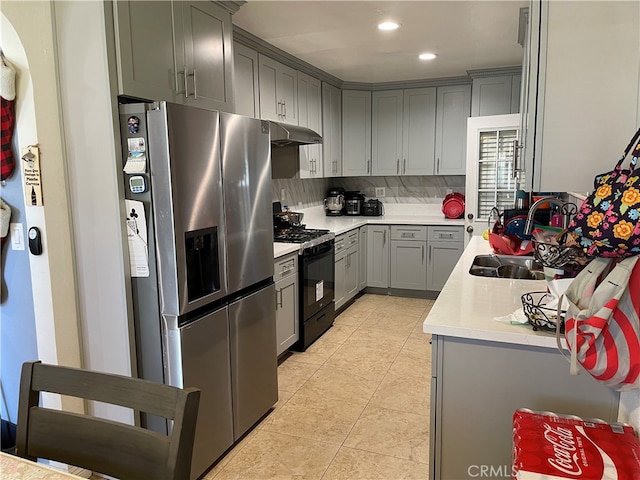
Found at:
(430, 248)
(280, 304)
(195, 85)
(422, 253)
(404, 165)
(438, 165)
(184, 74)
(279, 110)
(398, 166)
(516, 158)
(194, 82)
(384, 238)
(446, 235)
(285, 271)
(284, 109)
(184, 81)
(368, 166)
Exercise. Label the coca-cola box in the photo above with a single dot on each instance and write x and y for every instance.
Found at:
(553, 447)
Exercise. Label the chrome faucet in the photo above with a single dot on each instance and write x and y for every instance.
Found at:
(528, 226)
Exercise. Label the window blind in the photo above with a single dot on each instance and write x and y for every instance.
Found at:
(496, 185)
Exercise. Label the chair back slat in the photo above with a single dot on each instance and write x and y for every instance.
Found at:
(135, 393)
(105, 446)
(140, 454)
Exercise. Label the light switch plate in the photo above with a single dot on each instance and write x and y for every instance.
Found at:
(17, 236)
(380, 192)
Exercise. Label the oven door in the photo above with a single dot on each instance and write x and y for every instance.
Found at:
(317, 277)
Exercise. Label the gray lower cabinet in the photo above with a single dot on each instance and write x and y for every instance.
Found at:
(378, 244)
(477, 385)
(362, 249)
(286, 276)
(445, 246)
(175, 51)
(347, 269)
(408, 267)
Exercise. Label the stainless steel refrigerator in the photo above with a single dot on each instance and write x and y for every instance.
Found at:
(205, 314)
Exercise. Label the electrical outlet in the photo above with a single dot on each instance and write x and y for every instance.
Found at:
(380, 192)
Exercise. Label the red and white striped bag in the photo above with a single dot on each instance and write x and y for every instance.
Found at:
(602, 323)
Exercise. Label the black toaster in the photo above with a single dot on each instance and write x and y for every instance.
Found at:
(372, 208)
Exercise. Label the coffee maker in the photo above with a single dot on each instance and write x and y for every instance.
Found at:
(334, 202)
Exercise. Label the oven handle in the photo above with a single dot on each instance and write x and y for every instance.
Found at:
(319, 249)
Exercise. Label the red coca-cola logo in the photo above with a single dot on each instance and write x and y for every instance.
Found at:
(565, 452)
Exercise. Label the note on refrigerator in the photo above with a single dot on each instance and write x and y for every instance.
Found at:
(137, 239)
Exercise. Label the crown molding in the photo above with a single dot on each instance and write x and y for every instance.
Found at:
(261, 46)
(232, 5)
(424, 83)
(495, 72)
(250, 40)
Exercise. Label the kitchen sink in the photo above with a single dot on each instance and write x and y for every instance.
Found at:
(507, 266)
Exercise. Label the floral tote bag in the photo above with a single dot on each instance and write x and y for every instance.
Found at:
(608, 222)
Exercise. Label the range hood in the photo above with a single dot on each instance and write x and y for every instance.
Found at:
(283, 135)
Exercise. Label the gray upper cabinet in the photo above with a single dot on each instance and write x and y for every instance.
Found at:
(419, 131)
(356, 133)
(278, 91)
(491, 96)
(146, 52)
(580, 113)
(332, 130)
(404, 131)
(175, 51)
(208, 55)
(453, 109)
(386, 145)
(245, 69)
(310, 116)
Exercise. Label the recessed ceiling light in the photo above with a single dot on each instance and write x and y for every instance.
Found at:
(388, 26)
(427, 56)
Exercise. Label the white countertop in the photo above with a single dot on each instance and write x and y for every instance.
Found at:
(281, 249)
(395, 214)
(467, 305)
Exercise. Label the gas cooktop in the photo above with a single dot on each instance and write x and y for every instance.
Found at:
(306, 236)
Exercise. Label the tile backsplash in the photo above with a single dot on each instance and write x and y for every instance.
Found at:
(305, 193)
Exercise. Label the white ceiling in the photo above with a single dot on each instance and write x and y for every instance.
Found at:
(342, 38)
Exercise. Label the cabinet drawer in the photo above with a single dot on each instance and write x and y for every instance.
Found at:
(454, 234)
(340, 243)
(352, 238)
(284, 266)
(407, 232)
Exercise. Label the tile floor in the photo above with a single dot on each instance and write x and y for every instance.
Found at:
(355, 405)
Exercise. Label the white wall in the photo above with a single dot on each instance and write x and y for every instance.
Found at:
(37, 114)
(88, 112)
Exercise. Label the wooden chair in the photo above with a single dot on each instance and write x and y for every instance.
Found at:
(104, 446)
